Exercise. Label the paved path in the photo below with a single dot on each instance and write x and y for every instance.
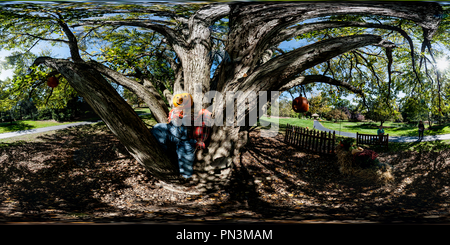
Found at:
(319, 126)
(40, 130)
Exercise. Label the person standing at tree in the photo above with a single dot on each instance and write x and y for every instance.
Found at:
(380, 131)
(421, 129)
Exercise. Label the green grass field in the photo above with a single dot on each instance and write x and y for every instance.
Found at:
(28, 124)
(7, 127)
(393, 129)
(284, 121)
(150, 122)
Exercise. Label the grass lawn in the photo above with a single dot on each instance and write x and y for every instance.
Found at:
(31, 124)
(142, 110)
(150, 122)
(393, 129)
(28, 124)
(284, 121)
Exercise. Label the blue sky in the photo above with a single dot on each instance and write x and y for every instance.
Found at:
(4, 73)
(63, 52)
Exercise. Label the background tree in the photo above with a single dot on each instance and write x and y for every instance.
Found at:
(285, 107)
(319, 104)
(379, 111)
(356, 116)
(414, 110)
(336, 114)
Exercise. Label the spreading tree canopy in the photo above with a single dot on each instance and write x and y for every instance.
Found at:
(157, 50)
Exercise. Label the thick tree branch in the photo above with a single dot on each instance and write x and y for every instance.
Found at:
(41, 38)
(305, 28)
(211, 12)
(303, 80)
(172, 36)
(165, 13)
(268, 19)
(73, 43)
(280, 70)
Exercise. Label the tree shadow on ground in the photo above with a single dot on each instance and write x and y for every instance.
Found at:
(84, 173)
(63, 172)
(418, 145)
(310, 186)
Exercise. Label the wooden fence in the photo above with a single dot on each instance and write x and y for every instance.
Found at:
(318, 141)
(371, 139)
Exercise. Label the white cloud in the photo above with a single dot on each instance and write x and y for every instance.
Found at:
(442, 64)
(5, 73)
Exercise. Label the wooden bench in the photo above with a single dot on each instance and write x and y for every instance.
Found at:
(371, 139)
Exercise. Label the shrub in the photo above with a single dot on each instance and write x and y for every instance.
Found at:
(336, 114)
(44, 114)
(356, 116)
(56, 116)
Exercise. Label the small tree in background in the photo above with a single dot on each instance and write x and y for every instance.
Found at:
(356, 116)
(336, 114)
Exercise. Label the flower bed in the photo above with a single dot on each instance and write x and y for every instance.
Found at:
(364, 165)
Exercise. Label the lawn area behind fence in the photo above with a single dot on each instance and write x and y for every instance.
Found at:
(291, 121)
(391, 128)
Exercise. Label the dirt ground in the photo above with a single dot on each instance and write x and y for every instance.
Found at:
(83, 174)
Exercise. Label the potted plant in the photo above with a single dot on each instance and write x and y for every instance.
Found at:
(346, 143)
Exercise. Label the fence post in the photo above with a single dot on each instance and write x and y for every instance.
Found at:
(291, 134)
(333, 148)
(309, 138)
(294, 138)
(291, 138)
(320, 142)
(387, 141)
(286, 133)
(302, 138)
(330, 143)
(323, 142)
(314, 140)
(317, 140)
